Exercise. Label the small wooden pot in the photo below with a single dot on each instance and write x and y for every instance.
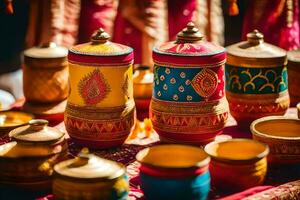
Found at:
(45, 74)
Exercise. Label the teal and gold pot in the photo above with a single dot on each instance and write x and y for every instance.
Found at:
(90, 177)
(188, 103)
(256, 79)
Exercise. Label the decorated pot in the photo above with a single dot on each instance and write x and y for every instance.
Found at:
(256, 79)
(188, 103)
(100, 111)
(174, 172)
(45, 78)
(26, 161)
(90, 177)
(237, 164)
(282, 135)
(294, 74)
(142, 90)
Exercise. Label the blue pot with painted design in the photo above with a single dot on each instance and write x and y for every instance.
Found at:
(188, 102)
(174, 172)
(256, 79)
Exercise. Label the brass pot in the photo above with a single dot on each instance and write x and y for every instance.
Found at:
(10, 120)
(142, 90)
(27, 160)
(45, 78)
(294, 74)
(256, 79)
(90, 177)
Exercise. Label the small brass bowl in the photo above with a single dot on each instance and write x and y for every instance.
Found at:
(10, 120)
(282, 134)
(237, 164)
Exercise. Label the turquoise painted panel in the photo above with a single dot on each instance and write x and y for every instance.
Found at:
(175, 84)
(256, 80)
(158, 188)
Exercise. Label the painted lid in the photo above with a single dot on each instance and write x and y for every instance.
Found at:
(47, 50)
(190, 48)
(255, 52)
(36, 131)
(100, 51)
(88, 166)
(294, 56)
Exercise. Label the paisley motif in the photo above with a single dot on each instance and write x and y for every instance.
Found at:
(205, 83)
(93, 88)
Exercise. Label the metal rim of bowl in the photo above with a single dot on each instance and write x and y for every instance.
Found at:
(256, 158)
(272, 137)
(202, 163)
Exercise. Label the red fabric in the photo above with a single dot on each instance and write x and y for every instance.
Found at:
(179, 14)
(95, 14)
(246, 193)
(271, 20)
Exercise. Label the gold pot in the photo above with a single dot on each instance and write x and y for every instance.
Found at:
(90, 177)
(294, 74)
(142, 89)
(45, 78)
(256, 79)
(27, 160)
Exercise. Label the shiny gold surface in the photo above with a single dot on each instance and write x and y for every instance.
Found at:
(255, 53)
(88, 166)
(142, 83)
(189, 34)
(227, 150)
(13, 119)
(36, 131)
(173, 156)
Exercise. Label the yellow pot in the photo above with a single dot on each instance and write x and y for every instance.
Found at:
(100, 110)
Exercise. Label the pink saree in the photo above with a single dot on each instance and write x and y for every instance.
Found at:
(278, 21)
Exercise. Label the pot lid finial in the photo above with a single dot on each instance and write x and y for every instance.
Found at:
(189, 34)
(100, 36)
(255, 37)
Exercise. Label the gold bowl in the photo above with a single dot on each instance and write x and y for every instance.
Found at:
(282, 134)
(237, 164)
(10, 120)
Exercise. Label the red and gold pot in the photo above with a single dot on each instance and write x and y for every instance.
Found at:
(188, 103)
(100, 111)
(256, 79)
